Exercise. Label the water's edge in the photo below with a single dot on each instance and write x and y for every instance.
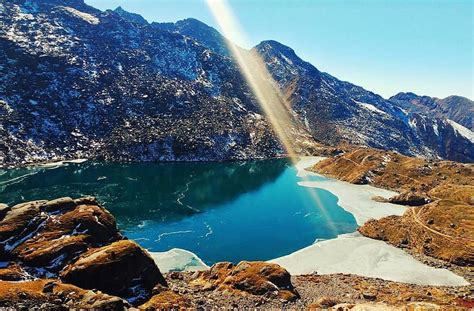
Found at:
(348, 253)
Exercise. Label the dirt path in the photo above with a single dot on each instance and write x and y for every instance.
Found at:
(418, 221)
(358, 164)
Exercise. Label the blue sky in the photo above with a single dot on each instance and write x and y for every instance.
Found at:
(386, 46)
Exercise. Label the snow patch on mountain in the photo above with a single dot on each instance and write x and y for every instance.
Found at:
(461, 130)
(370, 107)
(91, 19)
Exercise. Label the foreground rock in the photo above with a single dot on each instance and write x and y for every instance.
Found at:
(443, 229)
(76, 240)
(256, 278)
(122, 268)
(48, 234)
(49, 294)
(317, 291)
(166, 300)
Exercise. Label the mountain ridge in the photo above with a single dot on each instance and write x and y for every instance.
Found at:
(457, 108)
(96, 84)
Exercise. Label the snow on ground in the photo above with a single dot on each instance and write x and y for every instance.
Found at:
(356, 199)
(370, 107)
(461, 130)
(177, 259)
(91, 19)
(355, 254)
(61, 163)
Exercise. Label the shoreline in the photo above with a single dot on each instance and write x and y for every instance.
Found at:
(352, 253)
(308, 259)
(350, 197)
(47, 163)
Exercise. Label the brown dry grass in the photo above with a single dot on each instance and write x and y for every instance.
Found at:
(439, 179)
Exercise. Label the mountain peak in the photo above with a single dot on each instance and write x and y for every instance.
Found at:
(199, 31)
(192, 21)
(131, 17)
(277, 46)
(273, 49)
(404, 96)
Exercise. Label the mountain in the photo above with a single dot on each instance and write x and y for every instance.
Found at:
(200, 32)
(80, 82)
(132, 17)
(337, 111)
(456, 108)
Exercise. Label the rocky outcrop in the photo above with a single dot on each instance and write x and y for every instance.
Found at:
(48, 234)
(122, 268)
(256, 278)
(166, 300)
(48, 294)
(409, 198)
(442, 229)
(12, 272)
(77, 240)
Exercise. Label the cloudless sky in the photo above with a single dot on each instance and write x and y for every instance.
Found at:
(386, 46)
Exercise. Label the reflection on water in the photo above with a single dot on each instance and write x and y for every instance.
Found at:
(231, 211)
(137, 191)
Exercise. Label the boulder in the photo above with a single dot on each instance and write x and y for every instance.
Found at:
(52, 295)
(59, 205)
(4, 208)
(20, 223)
(122, 269)
(49, 234)
(12, 272)
(410, 198)
(256, 278)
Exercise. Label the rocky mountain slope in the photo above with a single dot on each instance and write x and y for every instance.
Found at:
(78, 82)
(456, 108)
(68, 254)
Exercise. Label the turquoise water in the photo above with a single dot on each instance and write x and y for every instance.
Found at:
(227, 211)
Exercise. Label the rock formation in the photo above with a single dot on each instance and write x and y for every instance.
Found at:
(78, 241)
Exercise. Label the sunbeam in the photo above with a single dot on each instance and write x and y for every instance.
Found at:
(265, 89)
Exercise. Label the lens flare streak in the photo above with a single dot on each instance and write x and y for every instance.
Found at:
(269, 96)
